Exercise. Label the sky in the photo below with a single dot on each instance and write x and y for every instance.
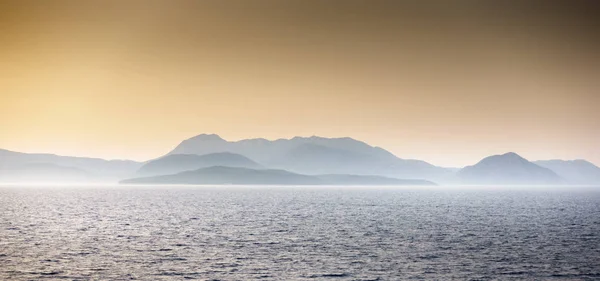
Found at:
(448, 83)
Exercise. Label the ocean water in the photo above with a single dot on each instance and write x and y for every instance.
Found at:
(297, 233)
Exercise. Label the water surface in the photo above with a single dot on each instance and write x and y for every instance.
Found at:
(297, 233)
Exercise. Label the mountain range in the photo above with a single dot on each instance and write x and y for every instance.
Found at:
(209, 159)
(316, 155)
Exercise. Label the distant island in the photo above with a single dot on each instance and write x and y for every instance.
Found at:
(210, 159)
(243, 176)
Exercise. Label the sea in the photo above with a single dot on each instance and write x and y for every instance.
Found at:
(298, 233)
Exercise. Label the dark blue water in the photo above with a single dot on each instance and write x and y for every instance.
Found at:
(297, 233)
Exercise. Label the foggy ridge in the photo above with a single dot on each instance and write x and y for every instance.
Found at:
(175, 163)
(31, 167)
(573, 171)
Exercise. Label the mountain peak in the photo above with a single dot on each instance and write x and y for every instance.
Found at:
(207, 137)
(506, 157)
(512, 155)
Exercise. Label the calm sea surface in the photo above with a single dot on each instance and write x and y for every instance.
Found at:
(297, 233)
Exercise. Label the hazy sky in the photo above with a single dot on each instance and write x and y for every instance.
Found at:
(445, 82)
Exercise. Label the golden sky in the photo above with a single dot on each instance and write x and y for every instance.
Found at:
(446, 83)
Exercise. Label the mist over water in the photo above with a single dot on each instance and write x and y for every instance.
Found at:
(297, 233)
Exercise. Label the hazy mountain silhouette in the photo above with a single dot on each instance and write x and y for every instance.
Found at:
(573, 171)
(244, 176)
(300, 160)
(45, 173)
(507, 169)
(316, 155)
(229, 175)
(175, 163)
(99, 169)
